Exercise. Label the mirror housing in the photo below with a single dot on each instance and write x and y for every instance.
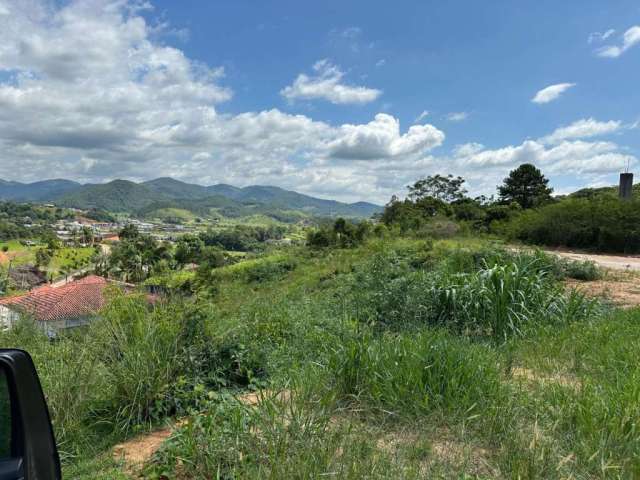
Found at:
(33, 448)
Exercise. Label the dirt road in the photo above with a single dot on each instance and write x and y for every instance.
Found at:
(614, 262)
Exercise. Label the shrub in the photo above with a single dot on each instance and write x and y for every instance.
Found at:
(581, 270)
(498, 299)
(605, 224)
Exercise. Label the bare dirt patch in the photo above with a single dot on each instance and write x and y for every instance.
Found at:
(621, 290)
(531, 376)
(136, 452)
(614, 262)
(444, 450)
(6, 257)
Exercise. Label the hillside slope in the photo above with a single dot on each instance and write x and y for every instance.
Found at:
(130, 197)
(38, 191)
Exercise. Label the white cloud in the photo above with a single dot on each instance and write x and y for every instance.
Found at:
(467, 149)
(600, 36)
(381, 63)
(424, 114)
(457, 116)
(576, 157)
(381, 138)
(129, 105)
(630, 38)
(585, 128)
(552, 92)
(326, 85)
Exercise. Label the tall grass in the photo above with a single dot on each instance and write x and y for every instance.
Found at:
(467, 293)
(280, 438)
(414, 374)
(394, 336)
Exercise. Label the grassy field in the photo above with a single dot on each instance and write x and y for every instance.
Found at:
(64, 259)
(397, 359)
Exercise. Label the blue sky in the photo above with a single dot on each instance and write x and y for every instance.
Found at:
(484, 58)
(473, 66)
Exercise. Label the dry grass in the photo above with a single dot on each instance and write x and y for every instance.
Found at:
(442, 451)
(528, 375)
(620, 288)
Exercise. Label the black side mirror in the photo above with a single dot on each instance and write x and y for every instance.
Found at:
(27, 445)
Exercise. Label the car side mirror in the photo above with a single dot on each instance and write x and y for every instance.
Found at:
(27, 445)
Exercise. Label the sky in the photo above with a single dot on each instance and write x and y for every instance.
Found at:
(352, 100)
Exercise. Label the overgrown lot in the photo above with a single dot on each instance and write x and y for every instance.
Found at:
(396, 359)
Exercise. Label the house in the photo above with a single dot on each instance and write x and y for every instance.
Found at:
(56, 308)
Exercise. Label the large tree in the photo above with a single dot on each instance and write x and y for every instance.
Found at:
(525, 185)
(446, 189)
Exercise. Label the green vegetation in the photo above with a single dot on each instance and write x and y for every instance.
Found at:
(394, 357)
(416, 346)
(591, 219)
(157, 198)
(598, 223)
(27, 221)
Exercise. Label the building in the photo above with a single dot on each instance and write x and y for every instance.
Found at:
(56, 308)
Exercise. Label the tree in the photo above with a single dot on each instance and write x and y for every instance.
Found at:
(525, 185)
(446, 189)
(188, 249)
(43, 258)
(210, 259)
(129, 232)
(87, 235)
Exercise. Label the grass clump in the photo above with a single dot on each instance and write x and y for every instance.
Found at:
(413, 374)
(483, 294)
(279, 438)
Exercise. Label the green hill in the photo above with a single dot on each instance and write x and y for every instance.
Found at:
(603, 191)
(115, 196)
(37, 191)
(124, 196)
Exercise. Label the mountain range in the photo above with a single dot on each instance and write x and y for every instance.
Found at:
(139, 198)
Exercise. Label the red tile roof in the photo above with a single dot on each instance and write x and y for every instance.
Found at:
(75, 299)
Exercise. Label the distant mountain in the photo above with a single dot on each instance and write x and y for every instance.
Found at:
(37, 191)
(115, 196)
(172, 188)
(131, 197)
(297, 201)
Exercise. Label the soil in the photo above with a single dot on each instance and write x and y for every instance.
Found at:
(136, 452)
(623, 290)
(615, 262)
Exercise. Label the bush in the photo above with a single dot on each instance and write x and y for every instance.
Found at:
(581, 270)
(258, 270)
(601, 223)
(476, 294)
(342, 234)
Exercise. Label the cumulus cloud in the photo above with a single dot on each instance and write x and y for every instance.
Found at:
(584, 128)
(327, 85)
(630, 38)
(570, 156)
(551, 93)
(91, 92)
(381, 138)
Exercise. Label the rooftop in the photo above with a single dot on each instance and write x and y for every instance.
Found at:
(75, 299)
